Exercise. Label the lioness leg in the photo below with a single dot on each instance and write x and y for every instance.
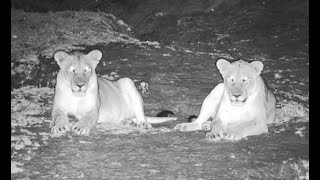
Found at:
(61, 122)
(86, 123)
(135, 101)
(208, 109)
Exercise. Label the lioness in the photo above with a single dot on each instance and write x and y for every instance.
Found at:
(93, 99)
(240, 106)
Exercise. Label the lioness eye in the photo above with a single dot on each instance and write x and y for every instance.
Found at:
(244, 79)
(87, 69)
(230, 79)
(72, 69)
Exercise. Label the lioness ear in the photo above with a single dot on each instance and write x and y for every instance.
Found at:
(60, 56)
(257, 66)
(222, 64)
(95, 55)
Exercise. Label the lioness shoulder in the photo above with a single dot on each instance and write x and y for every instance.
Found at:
(240, 106)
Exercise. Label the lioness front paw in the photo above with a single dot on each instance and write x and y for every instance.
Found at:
(215, 136)
(60, 129)
(218, 136)
(232, 136)
(187, 127)
(81, 128)
(61, 126)
(127, 123)
(144, 125)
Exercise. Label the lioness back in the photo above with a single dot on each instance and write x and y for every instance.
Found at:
(113, 103)
(271, 106)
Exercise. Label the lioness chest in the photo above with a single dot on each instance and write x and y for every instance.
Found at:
(229, 113)
(77, 106)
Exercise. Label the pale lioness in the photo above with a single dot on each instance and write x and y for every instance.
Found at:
(240, 106)
(91, 99)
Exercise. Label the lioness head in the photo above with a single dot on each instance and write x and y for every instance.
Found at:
(239, 78)
(77, 69)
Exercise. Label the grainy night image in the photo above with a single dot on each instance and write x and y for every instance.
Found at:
(160, 89)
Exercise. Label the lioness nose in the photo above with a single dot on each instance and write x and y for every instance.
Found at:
(236, 96)
(80, 85)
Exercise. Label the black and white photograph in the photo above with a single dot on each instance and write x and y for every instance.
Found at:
(160, 89)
